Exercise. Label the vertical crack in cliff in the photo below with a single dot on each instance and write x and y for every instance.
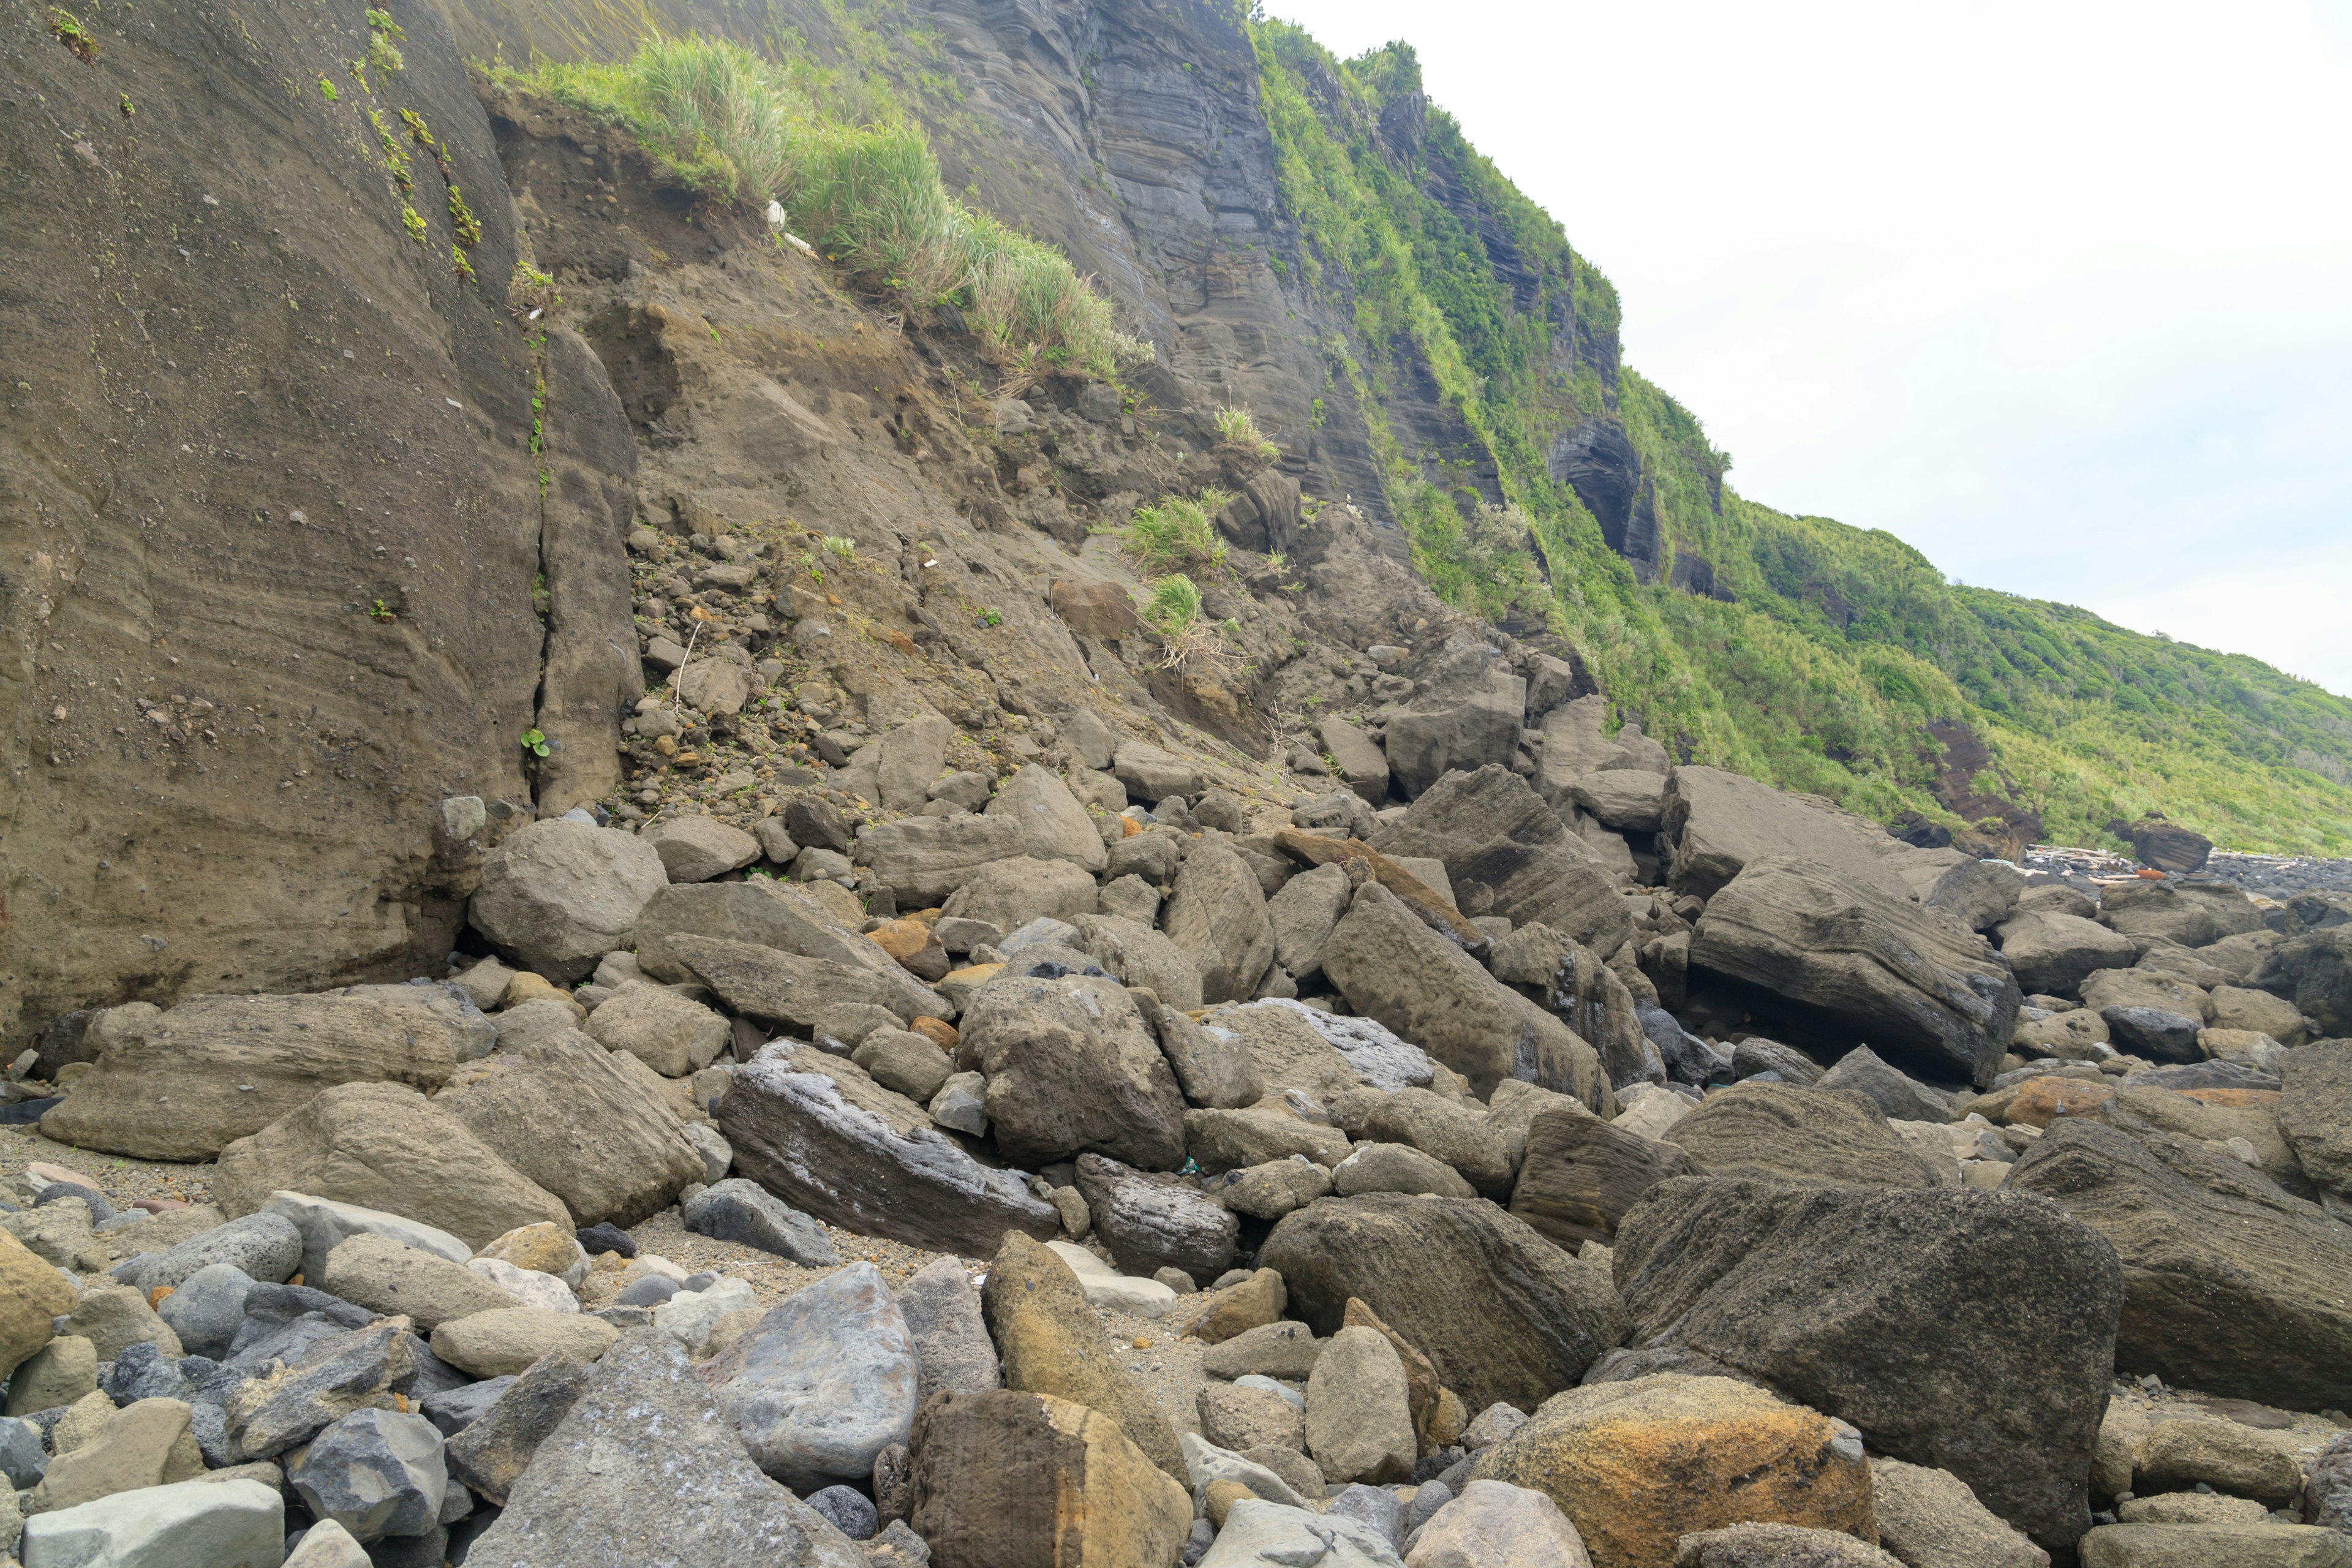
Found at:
(542, 593)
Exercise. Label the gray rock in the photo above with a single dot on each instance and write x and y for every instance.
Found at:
(643, 1468)
(1089, 737)
(1507, 853)
(1903, 1099)
(852, 1511)
(1719, 822)
(207, 1309)
(460, 1407)
(1150, 1223)
(490, 1452)
(1217, 914)
(379, 1274)
(925, 858)
(821, 1134)
(376, 1473)
(1072, 1067)
(1756, 1055)
(1580, 1175)
(1363, 766)
(1629, 800)
(1396, 1168)
(1303, 914)
(671, 1033)
(2155, 1032)
(1371, 1048)
(900, 1059)
(1980, 894)
(559, 895)
(697, 849)
(264, 1246)
(339, 1374)
(1930, 1516)
(188, 1523)
(1576, 985)
(785, 989)
(1053, 825)
(1212, 1066)
(1358, 1420)
(748, 1213)
(824, 1383)
(1375, 1507)
(952, 1349)
(1436, 1126)
(961, 1103)
(756, 910)
(1150, 856)
(1135, 954)
(23, 1459)
(142, 1371)
(908, 759)
(775, 840)
(326, 1224)
(1781, 1132)
(1150, 773)
(1778, 1546)
(1011, 893)
(1466, 715)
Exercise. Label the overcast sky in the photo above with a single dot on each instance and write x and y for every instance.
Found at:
(2060, 293)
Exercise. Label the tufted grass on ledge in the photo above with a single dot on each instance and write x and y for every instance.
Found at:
(731, 127)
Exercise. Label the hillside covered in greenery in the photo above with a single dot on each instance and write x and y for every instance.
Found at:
(1820, 657)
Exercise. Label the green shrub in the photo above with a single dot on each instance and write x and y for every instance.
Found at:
(731, 126)
(1190, 643)
(1174, 535)
(1237, 431)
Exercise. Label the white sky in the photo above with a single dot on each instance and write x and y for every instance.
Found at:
(2060, 293)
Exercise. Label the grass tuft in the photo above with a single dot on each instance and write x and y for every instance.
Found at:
(1237, 431)
(1174, 535)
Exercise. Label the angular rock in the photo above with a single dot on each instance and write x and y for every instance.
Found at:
(1502, 1313)
(1358, 1427)
(1468, 715)
(559, 895)
(377, 1473)
(1212, 1067)
(145, 1443)
(1396, 1168)
(187, 1522)
(2180, 1456)
(1929, 1517)
(32, 1294)
(1303, 914)
(509, 1339)
(1638, 1465)
(1580, 1175)
(925, 858)
(643, 1468)
(1216, 913)
(901, 1061)
(1494, 1524)
(1150, 1224)
(822, 1135)
(1009, 893)
(1052, 1343)
(748, 1214)
(376, 1145)
(525, 1287)
(1219, 1141)
(2257, 1012)
(1150, 773)
(2314, 972)
(1778, 1546)
(1053, 825)
(1073, 1067)
(1577, 987)
(2201, 1545)
(356, 1370)
(1781, 1132)
(952, 1349)
(757, 910)
(1135, 954)
(2194, 914)
(2229, 1286)
(1436, 1126)
(1902, 1097)
(1362, 765)
(576, 1119)
(1273, 1189)
(1840, 961)
(1258, 1530)
(207, 1309)
(2054, 952)
(327, 1544)
(783, 988)
(1019, 1479)
(2314, 1114)
(672, 1034)
(824, 1383)
(1240, 1417)
(1968, 1332)
(230, 1065)
(1719, 822)
(697, 849)
(1629, 800)
(1507, 853)
(1393, 968)
(325, 1224)
(386, 1277)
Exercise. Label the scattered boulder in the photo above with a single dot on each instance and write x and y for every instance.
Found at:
(905, 1062)
(1437, 1126)
(1841, 960)
(824, 1383)
(264, 1246)
(697, 849)
(1053, 825)
(495, 1344)
(2314, 1114)
(925, 858)
(782, 988)
(1468, 715)
(234, 1065)
(341, 1372)
(374, 1145)
(1580, 1175)
(386, 1277)
(2314, 972)
(1237, 1417)
(1219, 1141)
(1259, 1530)
(32, 1295)
(2194, 914)
(1362, 764)
(1216, 913)
(821, 1134)
(1902, 1097)
(490, 1452)
(1016, 1478)
(1637, 1466)
(1502, 1313)
(1212, 1067)
(1136, 954)
(326, 1224)
(1396, 1168)
(1073, 1067)
(559, 895)
(671, 1033)
(2054, 952)
(952, 1351)
(1152, 1223)
(1779, 1546)
(750, 1215)
(2202, 1545)
(1052, 1343)
(1273, 1189)
(1971, 1331)
(1150, 773)
(757, 910)
(1358, 1425)
(644, 1465)
(1782, 1132)
(1929, 1519)
(1719, 822)
(1009, 894)
(377, 1473)
(1507, 853)
(158, 1527)
(1577, 987)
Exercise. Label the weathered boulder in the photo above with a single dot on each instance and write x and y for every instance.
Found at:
(1139, 955)
(506, 1341)
(2052, 953)
(2256, 1012)
(1930, 1518)
(900, 1059)
(1577, 986)
(1052, 1343)
(783, 988)
(1507, 853)
(1901, 1097)
(1150, 773)
(819, 1133)
(227, 1067)
(1638, 1465)
(697, 849)
(644, 1467)
(2229, 1286)
(32, 1294)
(1629, 800)
(1466, 715)
(1214, 1070)
(1274, 1188)
(1008, 894)
(1440, 1128)
(265, 1246)
(2193, 914)
(188, 1522)
(559, 895)
(1391, 967)
(1717, 822)
(1154, 1223)
(387, 1278)
(2199, 1545)
(925, 858)
(1072, 1067)
(823, 1383)
(1303, 914)
(1363, 766)
(1216, 913)
(385, 1146)
(1263, 1530)
(578, 1121)
(1501, 1312)
(1580, 1175)
(1781, 1132)
(675, 1035)
(492, 1450)
(952, 1351)
(1012, 1478)
(1840, 962)
(1980, 894)
(757, 910)
(748, 1214)
(1496, 1524)
(1395, 1168)
(2314, 1114)
(1359, 1424)
(2313, 972)
(1971, 1331)
(1221, 1140)
(377, 1473)
(1053, 825)
(1779, 1546)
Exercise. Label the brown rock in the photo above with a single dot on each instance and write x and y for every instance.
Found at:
(2039, 1102)
(31, 1294)
(941, 1032)
(1052, 1343)
(1581, 1174)
(1093, 609)
(916, 947)
(1237, 1309)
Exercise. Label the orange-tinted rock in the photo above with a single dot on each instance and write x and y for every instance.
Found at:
(938, 1031)
(2042, 1100)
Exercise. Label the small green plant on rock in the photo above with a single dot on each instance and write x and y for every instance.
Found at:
(1191, 644)
(327, 91)
(67, 29)
(842, 545)
(535, 743)
(1237, 431)
(380, 611)
(383, 33)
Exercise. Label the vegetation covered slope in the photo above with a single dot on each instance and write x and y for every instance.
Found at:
(1818, 656)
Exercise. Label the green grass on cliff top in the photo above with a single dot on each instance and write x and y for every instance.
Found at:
(1844, 646)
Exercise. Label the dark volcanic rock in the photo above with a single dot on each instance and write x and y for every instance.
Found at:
(1507, 853)
(1581, 1174)
(1971, 1331)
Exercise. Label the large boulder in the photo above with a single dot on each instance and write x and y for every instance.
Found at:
(925, 858)
(1980, 894)
(2314, 972)
(385, 1146)
(1053, 825)
(1150, 773)
(1052, 1343)
(1638, 1465)
(587, 1124)
(819, 1133)
(2053, 951)
(1391, 967)
(1303, 914)
(2194, 914)
(2231, 1287)
(1155, 1222)
(783, 988)
(1717, 822)
(758, 910)
(1629, 800)
(2314, 1114)
(1363, 767)
(1577, 986)
(1784, 1132)
(907, 760)
(675, 1035)
(1507, 853)
(1900, 1096)
(1009, 893)
(645, 1468)
(1971, 1331)
(823, 1383)
(1443, 1128)
(560, 895)
(1216, 913)
(1008, 1478)
(386, 1278)
(32, 1296)
(1837, 962)
(1502, 1313)
(1073, 1067)
(1136, 954)
(1212, 1067)
(697, 849)
(953, 1353)
(1930, 1517)
(1466, 715)
(1580, 1175)
(214, 1069)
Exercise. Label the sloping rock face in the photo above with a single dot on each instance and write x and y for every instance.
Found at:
(258, 491)
(1840, 961)
(1508, 854)
(1717, 822)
